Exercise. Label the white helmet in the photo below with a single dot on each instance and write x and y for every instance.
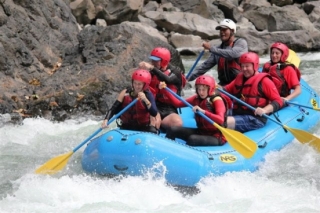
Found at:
(227, 23)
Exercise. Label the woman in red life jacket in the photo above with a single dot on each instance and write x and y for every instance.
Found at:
(161, 70)
(209, 103)
(257, 90)
(138, 116)
(285, 76)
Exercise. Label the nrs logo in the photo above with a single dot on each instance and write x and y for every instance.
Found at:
(314, 103)
(226, 158)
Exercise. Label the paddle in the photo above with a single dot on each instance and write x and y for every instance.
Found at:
(195, 64)
(309, 107)
(55, 164)
(301, 135)
(244, 145)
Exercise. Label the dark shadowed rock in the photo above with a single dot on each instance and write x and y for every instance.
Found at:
(86, 76)
(114, 12)
(33, 40)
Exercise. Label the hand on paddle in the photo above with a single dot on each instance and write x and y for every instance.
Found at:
(105, 124)
(259, 111)
(206, 45)
(162, 85)
(142, 96)
(263, 111)
(145, 65)
(218, 86)
(198, 109)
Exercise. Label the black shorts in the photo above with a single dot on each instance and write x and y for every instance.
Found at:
(193, 137)
(166, 109)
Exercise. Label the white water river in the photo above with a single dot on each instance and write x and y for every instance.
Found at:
(288, 181)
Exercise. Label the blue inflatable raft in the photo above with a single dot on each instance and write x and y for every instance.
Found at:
(122, 152)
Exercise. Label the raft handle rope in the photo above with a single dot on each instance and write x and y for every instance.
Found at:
(210, 155)
(303, 110)
(263, 145)
(276, 115)
(300, 119)
(310, 90)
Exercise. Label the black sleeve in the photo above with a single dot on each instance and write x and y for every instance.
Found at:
(275, 105)
(153, 109)
(173, 78)
(116, 107)
(177, 69)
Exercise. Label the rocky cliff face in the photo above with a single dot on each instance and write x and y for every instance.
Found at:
(60, 58)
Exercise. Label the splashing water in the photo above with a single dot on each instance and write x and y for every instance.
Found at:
(288, 181)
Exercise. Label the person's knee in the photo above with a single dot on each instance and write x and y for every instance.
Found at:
(231, 122)
(176, 120)
(171, 120)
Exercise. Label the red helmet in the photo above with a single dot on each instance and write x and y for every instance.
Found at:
(250, 57)
(283, 48)
(142, 75)
(208, 81)
(161, 53)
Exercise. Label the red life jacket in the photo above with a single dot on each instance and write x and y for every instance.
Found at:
(227, 103)
(183, 80)
(154, 84)
(160, 93)
(276, 72)
(182, 76)
(138, 114)
(228, 69)
(203, 125)
(250, 93)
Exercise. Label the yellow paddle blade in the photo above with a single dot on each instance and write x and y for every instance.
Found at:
(54, 165)
(305, 137)
(293, 58)
(241, 143)
(317, 109)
